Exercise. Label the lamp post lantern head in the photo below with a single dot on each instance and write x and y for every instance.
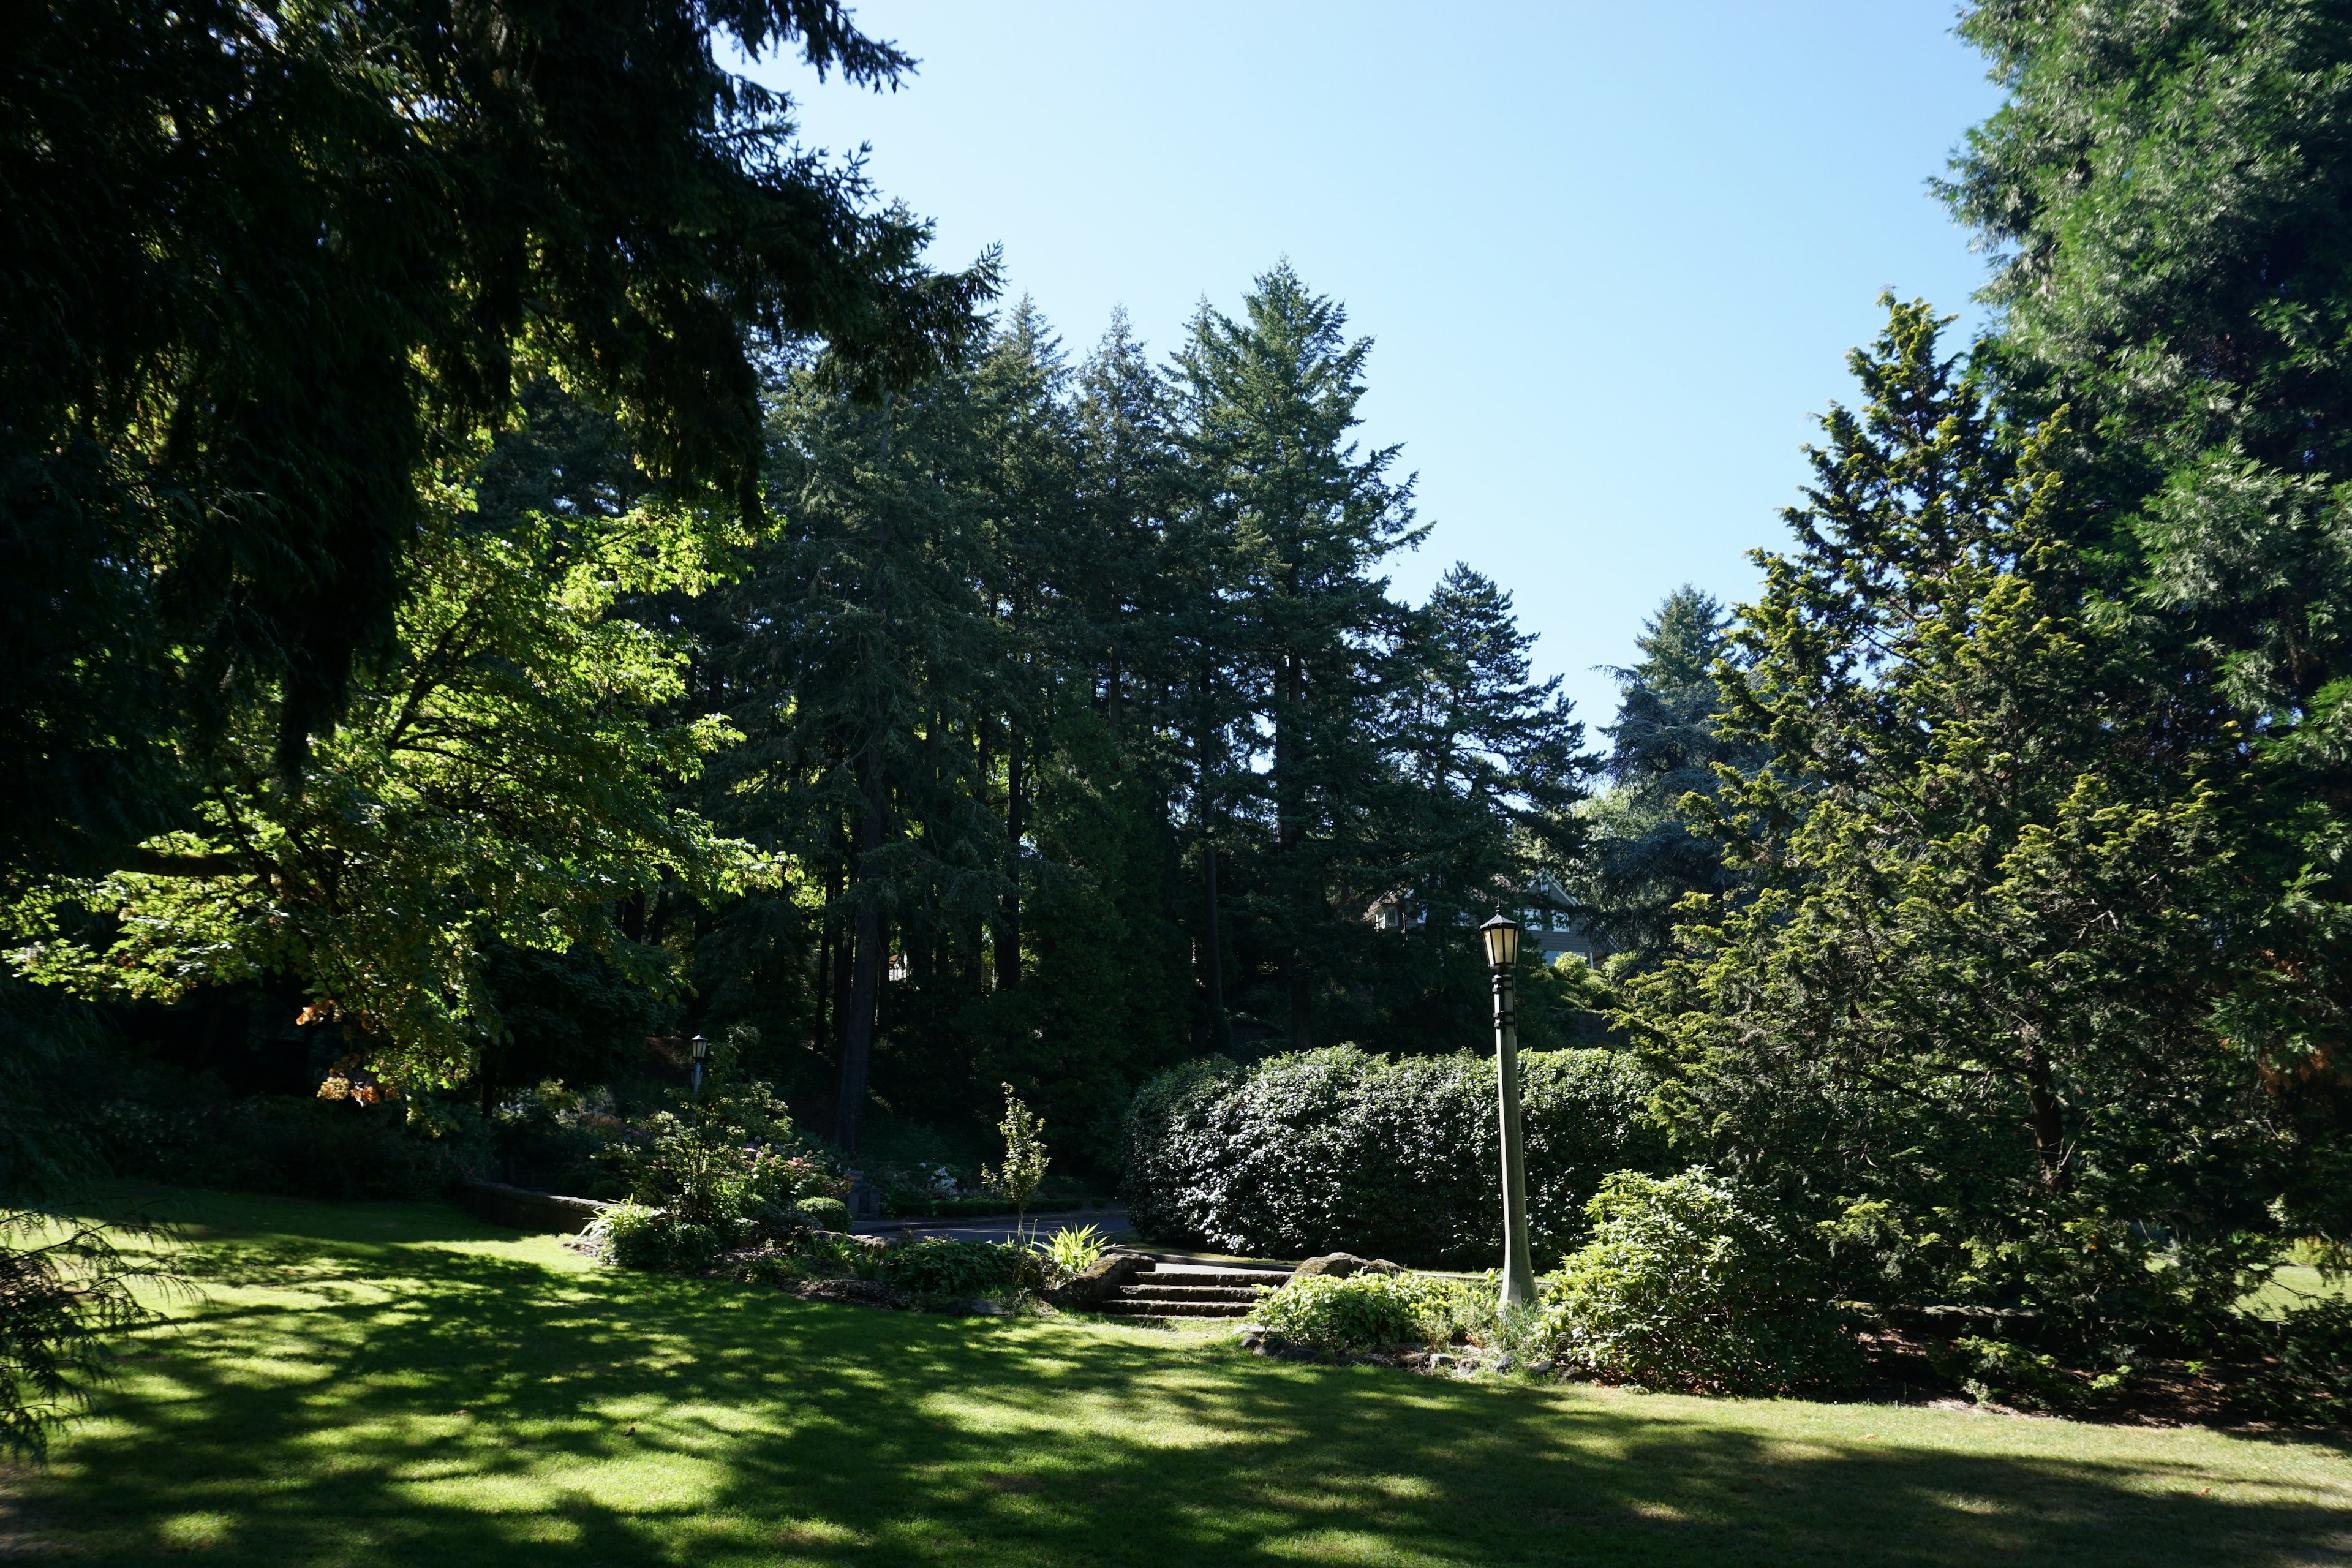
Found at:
(701, 1049)
(1501, 935)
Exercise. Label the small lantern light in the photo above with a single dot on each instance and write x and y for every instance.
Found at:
(1502, 938)
(702, 1049)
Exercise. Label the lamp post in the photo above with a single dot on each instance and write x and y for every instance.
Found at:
(1501, 936)
(702, 1049)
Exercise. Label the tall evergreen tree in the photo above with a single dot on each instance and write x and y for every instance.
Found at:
(1665, 744)
(1961, 991)
(1301, 518)
(2164, 186)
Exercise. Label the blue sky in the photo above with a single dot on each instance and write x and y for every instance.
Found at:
(1611, 256)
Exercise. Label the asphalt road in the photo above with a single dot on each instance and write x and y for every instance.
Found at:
(998, 1228)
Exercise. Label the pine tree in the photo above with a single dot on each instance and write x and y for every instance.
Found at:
(2163, 185)
(1959, 991)
(1298, 519)
(1665, 744)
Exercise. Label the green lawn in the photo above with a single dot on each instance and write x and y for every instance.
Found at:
(372, 1384)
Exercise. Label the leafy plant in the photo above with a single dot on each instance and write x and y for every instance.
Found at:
(1361, 1311)
(1024, 1154)
(1996, 1371)
(714, 1159)
(1073, 1250)
(279, 1143)
(2299, 1366)
(1684, 1286)
(940, 1267)
(632, 1235)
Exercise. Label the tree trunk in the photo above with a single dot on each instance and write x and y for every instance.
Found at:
(1016, 823)
(2048, 1118)
(1289, 834)
(865, 970)
(1213, 964)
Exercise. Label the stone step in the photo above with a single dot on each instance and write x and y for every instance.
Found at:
(1157, 1291)
(1229, 1277)
(1124, 1306)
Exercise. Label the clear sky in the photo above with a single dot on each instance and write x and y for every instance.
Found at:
(1612, 255)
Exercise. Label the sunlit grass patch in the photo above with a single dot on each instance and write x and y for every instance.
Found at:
(372, 1383)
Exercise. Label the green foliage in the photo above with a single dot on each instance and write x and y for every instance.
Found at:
(1073, 1249)
(937, 1265)
(1340, 1150)
(2299, 1366)
(2160, 187)
(1686, 1286)
(66, 1296)
(826, 1214)
(713, 1160)
(1646, 852)
(1357, 1312)
(1024, 1153)
(1967, 976)
(632, 1235)
(1370, 1311)
(277, 1143)
(331, 235)
(494, 779)
(1996, 1371)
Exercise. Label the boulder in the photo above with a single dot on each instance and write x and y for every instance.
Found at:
(1339, 1264)
(1097, 1282)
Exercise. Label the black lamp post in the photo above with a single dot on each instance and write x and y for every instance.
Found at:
(702, 1049)
(1501, 936)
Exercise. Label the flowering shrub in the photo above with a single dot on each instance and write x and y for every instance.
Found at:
(723, 1157)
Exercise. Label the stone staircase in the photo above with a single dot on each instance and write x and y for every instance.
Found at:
(1158, 1289)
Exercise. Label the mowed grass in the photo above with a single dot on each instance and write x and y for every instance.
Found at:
(385, 1383)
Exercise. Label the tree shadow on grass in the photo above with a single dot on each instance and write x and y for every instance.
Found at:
(359, 1397)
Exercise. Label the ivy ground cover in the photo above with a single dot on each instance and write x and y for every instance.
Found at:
(391, 1382)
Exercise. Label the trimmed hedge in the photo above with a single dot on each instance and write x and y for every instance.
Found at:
(276, 1143)
(1340, 1150)
(970, 1209)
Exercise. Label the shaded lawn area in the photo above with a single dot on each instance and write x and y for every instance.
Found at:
(381, 1383)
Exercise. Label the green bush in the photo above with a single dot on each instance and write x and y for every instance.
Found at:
(1996, 1370)
(2299, 1367)
(1357, 1312)
(1683, 1286)
(939, 1266)
(635, 1237)
(1361, 1311)
(717, 1159)
(1341, 1150)
(826, 1214)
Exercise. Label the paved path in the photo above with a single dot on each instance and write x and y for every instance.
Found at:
(997, 1228)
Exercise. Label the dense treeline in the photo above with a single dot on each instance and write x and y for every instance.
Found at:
(1091, 736)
